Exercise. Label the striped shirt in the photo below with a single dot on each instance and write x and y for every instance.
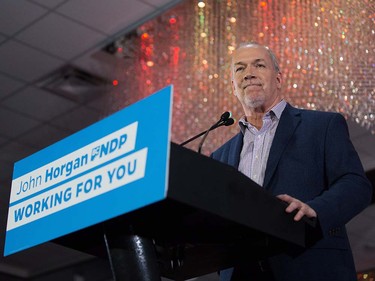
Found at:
(257, 143)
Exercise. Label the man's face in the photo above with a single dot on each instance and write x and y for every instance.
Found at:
(255, 81)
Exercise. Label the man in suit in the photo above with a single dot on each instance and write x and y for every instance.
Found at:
(303, 157)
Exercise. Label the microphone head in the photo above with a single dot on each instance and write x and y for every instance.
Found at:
(225, 116)
(229, 121)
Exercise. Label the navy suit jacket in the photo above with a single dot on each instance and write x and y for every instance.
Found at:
(313, 160)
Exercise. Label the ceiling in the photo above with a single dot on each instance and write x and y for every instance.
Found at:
(48, 47)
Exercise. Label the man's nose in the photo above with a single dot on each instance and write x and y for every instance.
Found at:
(249, 76)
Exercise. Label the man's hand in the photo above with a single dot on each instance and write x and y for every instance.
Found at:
(295, 204)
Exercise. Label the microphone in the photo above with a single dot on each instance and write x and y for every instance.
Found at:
(229, 122)
(225, 120)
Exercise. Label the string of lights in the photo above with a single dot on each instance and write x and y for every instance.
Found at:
(325, 49)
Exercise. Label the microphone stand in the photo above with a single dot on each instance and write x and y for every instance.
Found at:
(225, 119)
(193, 138)
(220, 123)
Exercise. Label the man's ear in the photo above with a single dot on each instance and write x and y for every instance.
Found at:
(279, 79)
(233, 88)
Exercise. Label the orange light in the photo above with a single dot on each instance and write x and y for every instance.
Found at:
(114, 82)
(144, 36)
(263, 4)
(176, 55)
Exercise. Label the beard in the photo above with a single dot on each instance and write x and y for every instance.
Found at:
(253, 101)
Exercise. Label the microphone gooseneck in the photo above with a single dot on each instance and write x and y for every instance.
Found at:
(225, 120)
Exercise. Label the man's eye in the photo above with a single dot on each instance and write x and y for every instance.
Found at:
(239, 69)
(260, 65)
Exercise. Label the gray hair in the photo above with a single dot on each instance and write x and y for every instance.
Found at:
(269, 51)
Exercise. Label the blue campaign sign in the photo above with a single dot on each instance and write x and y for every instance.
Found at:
(112, 167)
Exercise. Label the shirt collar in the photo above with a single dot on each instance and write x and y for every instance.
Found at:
(279, 108)
(276, 111)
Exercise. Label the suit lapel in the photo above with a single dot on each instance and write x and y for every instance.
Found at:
(235, 151)
(290, 118)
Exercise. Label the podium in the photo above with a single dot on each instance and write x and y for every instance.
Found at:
(212, 218)
(119, 189)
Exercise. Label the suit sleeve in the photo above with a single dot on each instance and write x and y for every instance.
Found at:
(348, 190)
